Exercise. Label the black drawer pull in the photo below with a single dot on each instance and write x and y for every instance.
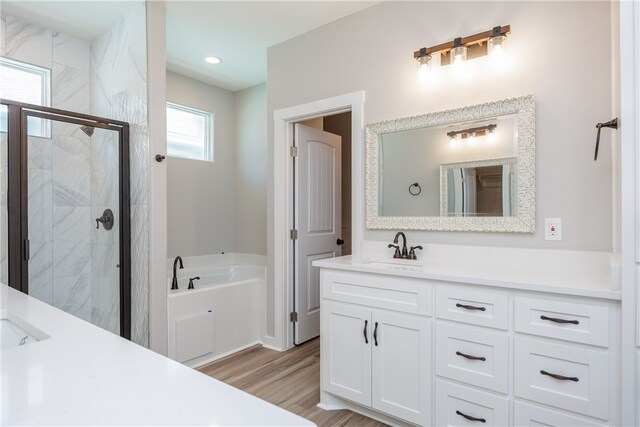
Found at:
(375, 334)
(366, 340)
(470, 418)
(560, 377)
(470, 307)
(466, 356)
(556, 320)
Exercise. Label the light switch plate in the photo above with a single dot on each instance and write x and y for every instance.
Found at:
(553, 228)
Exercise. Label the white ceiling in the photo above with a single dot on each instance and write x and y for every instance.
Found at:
(237, 31)
(240, 32)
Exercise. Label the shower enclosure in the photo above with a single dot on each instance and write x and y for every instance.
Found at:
(65, 211)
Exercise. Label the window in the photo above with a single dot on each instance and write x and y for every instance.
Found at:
(189, 133)
(26, 83)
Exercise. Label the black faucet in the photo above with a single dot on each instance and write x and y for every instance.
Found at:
(404, 253)
(174, 282)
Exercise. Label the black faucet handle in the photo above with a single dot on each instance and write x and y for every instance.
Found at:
(412, 251)
(397, 252)
(191, 282)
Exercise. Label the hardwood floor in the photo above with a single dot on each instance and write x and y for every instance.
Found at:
(288, 379)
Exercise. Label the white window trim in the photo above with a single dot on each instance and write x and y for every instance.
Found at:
(209, 141)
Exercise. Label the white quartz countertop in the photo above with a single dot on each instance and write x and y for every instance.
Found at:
(83, 375)
(533, 278)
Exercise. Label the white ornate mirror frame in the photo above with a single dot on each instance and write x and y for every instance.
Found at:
(522, 222)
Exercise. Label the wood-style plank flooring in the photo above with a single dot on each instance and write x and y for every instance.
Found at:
(288, 379)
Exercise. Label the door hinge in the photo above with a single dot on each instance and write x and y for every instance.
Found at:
(293, 151)
(293, 316)
(293, 234)
(27, 250)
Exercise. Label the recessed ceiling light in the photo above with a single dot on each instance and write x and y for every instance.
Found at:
(212, 60)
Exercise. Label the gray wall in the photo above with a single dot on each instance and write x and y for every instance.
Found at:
(372, 50)
(251, 170)
(220, 206)
(559, 51)
(200, 194)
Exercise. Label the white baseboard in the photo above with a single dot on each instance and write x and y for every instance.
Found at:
(195, 364)
(271, 343)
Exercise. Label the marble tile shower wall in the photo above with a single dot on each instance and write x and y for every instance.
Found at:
(74, 266)
(119, 91)
(59, 178)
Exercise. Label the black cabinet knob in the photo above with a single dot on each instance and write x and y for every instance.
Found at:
(340, 242)
(160, 158)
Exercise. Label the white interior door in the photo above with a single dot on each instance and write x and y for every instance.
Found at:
(318, 219)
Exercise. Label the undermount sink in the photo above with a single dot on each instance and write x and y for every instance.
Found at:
(15, 332)
(395, 263)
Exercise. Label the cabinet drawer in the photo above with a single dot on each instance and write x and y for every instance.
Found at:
(463, 406)
(526, 414)
(563, 376)
(375, 290)
(473, 356)
(468, 306)
(583, 323)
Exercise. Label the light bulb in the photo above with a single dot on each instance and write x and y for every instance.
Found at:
(496, 49)
(458, 55)
(424, 65)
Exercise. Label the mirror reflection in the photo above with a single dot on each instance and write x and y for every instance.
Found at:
(478, 188)
(459, 169)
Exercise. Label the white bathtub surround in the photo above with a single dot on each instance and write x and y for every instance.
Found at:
(215, 260)
(83, 375)
(224, 313)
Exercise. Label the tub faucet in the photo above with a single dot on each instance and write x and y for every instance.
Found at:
(174, 282)
(404, 253)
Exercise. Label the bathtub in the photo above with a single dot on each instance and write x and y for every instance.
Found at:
(225, 313)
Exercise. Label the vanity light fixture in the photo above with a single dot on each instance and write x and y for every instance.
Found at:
(463, 48)
(472, 132)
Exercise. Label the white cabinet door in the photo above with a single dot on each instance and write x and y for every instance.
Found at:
(346, 351)
(402, 366)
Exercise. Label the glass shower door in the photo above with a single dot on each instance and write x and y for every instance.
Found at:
(74, 217)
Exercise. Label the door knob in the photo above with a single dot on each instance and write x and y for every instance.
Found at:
(340, 242)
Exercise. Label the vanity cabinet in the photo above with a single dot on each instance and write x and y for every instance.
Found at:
(376, 357)
(418, 351)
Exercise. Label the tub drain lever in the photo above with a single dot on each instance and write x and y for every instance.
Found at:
(191, 282)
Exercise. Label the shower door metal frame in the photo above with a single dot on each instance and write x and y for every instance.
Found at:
(17, 195)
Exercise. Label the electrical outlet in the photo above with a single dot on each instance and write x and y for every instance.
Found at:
(553, 228)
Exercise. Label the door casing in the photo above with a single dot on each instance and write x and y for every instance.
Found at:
(281, 280)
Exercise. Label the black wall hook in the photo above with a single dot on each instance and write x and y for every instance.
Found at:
(613, 124)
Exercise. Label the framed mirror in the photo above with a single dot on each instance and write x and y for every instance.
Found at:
(468, 169)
